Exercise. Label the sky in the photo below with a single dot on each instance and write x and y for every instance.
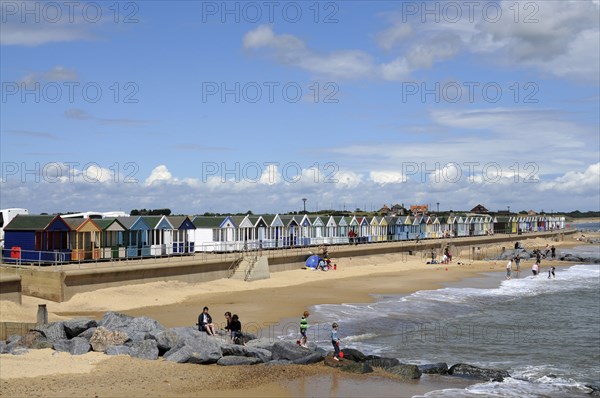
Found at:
(226, 106)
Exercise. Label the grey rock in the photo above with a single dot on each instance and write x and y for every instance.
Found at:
(3, 349)
(14, 350)
(475, 372)
(31, 339)
(354, 355)
(147, 349)
(79, 346)
(313, 357)
(53, 331)
(13, 338)
(290, 351)
(118, 350)
(62, 345)
(200, 351)
(381, 362)
(440, 368)
(234, 360)
(165, 339)
(114, 320)
(348, 365)
(264, 343)
(407, 372)
(87, 334)
(75, 327)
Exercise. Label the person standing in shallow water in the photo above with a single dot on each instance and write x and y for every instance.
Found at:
(551, 272)
(508, 269)
(518, 263)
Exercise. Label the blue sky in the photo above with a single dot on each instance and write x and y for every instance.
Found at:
(209, 106)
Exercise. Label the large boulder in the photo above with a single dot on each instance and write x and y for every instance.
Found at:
(118, 350)
(87, 334)
(313, 357)
(465, 370)
(440, 368)
(3, 349)
(290, 351)
(234, 360)
(200, 351)
(165, 339)
(407, 372)
(264, 343)
(137, 328)
(76, 346)
(381, 362)
(354, 355)
(242, 351)
(146, 349)
(34, 339)
(75, 327)
(53, 331)
(348, 365)
(104, 338)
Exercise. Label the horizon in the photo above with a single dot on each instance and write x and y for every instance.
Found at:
(207, 107)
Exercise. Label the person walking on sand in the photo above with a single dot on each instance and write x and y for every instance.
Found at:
(553, 251)
(335, 341)
(508, 268)
(535, 268)
(303, 328)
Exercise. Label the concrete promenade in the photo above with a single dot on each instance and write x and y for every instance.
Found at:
(59, 283)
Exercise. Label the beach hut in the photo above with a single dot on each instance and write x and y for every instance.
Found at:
(274, 236)
(207, 233)
(317, 231)
(343, 229)
(85, 239)
(160, 235)
(182, 240)
(364, 230)
(138, 236)
(112, 238)
(33, 238)
(391, 227)
(290, 230)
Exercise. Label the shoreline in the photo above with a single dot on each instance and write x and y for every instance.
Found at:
(263, 303)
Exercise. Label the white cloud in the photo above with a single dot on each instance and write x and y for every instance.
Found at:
(58, 73)
(159, 174)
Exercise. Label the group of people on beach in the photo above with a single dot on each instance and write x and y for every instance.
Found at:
(233, 326)
(535, 268)
(335, 340)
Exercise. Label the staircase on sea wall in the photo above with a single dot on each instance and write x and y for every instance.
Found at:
(251, 267)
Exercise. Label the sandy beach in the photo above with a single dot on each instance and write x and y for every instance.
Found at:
(263, 306)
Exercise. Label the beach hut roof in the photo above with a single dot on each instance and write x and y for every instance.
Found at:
(180, 222)
(106, 223)
(207, 222)
(26, 222)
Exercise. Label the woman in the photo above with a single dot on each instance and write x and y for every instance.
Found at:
(235, 328)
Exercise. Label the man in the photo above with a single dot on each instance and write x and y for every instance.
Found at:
(205, 322)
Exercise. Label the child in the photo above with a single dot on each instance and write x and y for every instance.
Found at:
(508, 269)
(551, 272)
(335, 341)
(303, 328)
(235, 328)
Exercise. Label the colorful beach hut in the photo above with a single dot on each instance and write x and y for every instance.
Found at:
(85, 239)
(33, 238)
(112, 238)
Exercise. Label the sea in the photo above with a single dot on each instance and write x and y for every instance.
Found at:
(545, 332)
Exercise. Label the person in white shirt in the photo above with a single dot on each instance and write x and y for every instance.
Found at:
(508, 269)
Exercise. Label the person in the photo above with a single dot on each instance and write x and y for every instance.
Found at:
(228, 321)
(335, 341)
(551, 272)
(303, 328)
(553, 250)
(448, 254)
(538, 255)
(444, 259)
(205, 322)
(535, 268)
(508, 269)
(518, 263)
(235, 329)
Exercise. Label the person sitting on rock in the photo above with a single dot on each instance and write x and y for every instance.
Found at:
(205, 322)
(235, 328)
